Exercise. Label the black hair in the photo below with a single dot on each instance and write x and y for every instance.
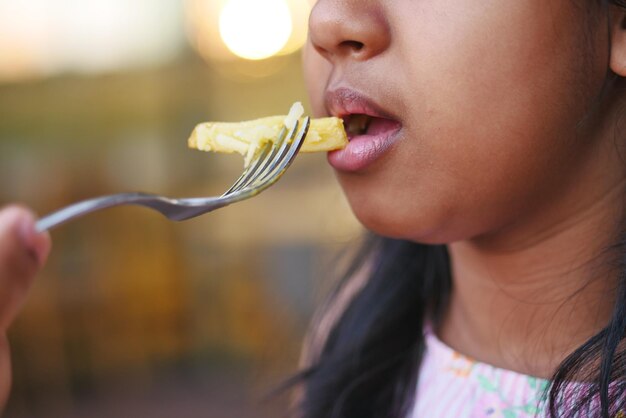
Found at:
(369, 362)
(370, 359)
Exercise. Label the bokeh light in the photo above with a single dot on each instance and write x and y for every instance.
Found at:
(255, 29)
(300, 11)
(203, 27)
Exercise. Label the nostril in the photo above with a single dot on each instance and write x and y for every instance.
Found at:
(355, 46)
(345, 47)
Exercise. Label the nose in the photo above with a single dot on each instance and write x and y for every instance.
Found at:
(349, 29)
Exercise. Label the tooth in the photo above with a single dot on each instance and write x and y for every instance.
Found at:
(353, 126)
(361, 122)
(358, 124)
(368, 120)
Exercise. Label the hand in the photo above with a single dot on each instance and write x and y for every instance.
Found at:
(22, 254)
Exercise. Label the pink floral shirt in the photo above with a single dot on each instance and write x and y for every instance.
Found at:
(452, 385)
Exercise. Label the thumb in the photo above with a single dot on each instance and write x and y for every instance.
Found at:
(23, 252)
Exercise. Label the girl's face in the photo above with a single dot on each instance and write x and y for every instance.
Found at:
(477, 107)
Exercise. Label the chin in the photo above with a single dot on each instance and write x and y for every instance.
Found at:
(392, 223)
(418, 213)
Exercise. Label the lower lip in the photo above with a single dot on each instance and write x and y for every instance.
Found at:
(363, 150)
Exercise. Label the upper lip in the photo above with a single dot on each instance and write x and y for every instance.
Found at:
(343, 102)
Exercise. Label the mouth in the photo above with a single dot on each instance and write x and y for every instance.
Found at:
(360, 124)
(357, 124)
(371, 129)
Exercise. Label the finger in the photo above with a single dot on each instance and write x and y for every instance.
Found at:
(20, 222)
(22, 253)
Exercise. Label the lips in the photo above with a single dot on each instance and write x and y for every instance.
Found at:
(371, 129)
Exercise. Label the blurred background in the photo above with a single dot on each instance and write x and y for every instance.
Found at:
(135, 315)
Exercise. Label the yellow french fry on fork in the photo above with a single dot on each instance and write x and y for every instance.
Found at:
(245, 138)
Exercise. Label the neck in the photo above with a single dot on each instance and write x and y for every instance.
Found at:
(527, 296)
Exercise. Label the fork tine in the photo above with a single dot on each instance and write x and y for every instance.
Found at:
(252, 169)
(284, 148)
(284, 138)
(290, 150)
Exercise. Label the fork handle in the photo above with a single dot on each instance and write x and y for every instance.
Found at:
(84, 207)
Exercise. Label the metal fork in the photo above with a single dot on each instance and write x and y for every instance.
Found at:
(263, 171)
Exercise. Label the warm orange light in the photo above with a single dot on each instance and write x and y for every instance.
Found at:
(255, 29)
(203, 25)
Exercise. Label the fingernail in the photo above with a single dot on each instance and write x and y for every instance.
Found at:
(34, 241)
